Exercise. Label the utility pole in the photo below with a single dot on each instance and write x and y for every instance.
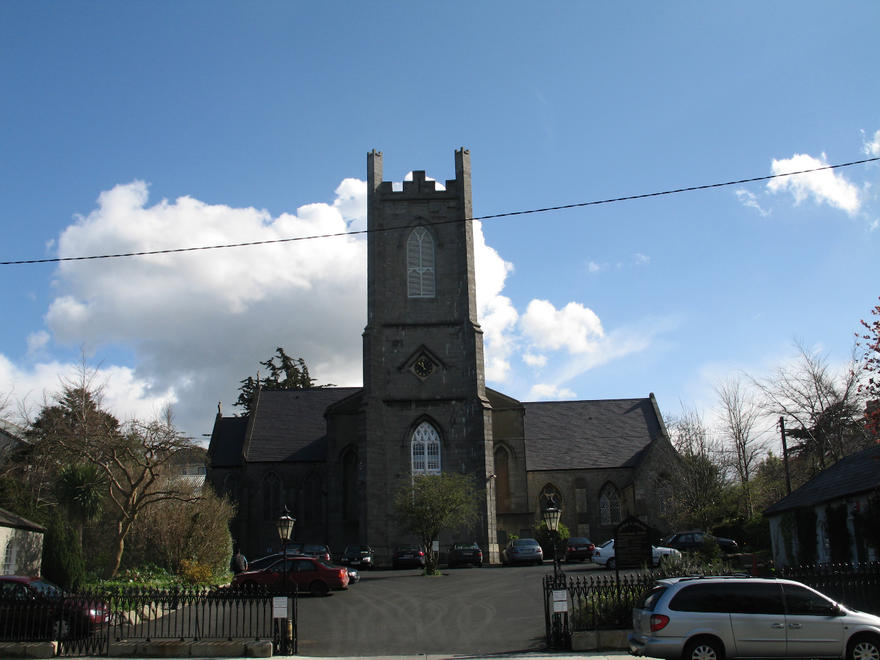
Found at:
(785, 456)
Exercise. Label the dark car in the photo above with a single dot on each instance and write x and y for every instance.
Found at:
(32, 608)
(579, 548)
(465, 553)
(522, 551)
(408, 556)
(311, 574)
(694, 540)
(360, 556)
(316, 550)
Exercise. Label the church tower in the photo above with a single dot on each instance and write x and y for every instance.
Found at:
(425, 401)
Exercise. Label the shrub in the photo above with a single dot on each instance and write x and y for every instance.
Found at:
(62, 555)
(194, 572)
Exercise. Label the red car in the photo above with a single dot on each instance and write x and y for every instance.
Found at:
(317, 576)
(32, 608)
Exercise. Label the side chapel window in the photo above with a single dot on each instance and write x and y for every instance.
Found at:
(425, 450)
(609, 506)
(420, 264)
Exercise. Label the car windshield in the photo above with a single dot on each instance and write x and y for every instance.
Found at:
(315, 548)
(525, 542)
(578, 541)
(608, 544)
(464, 546)
(46, 588)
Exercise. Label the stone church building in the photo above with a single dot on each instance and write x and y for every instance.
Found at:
(337, 456)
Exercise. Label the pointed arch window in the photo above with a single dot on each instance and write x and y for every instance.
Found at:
(420, 264)
(425, 450)
(609, 506)
(271, 496)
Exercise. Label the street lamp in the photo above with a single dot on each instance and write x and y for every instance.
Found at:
(285, 531)
(551, 515)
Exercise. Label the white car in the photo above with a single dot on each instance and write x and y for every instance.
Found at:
(604, 554)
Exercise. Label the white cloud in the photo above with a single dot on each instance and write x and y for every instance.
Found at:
(871, 146)
(533, 360)
(593, 267)
(547, 392)
(574, 327)
(496, 312)
(37, 341)
(641, 259)
(199, 322)
(825, 186)
(750, 200)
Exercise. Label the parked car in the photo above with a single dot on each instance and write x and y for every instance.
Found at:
(32, 608)
(718, 618)
(408, 556)
(358, 555)
(293, 550)
(317, 576)
(316, 550)
(694, 540)
(604, 554)
(465, 553)
(522, 551)
(353, 575)
(579, 548)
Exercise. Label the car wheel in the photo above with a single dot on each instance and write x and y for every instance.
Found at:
(610, 564)
(318, 588)
(704, 648)
(538, 562)
(864, 647)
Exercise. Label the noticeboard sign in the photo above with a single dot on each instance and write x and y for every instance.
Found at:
(632, 544)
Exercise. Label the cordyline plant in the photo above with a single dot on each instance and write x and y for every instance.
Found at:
(433, 503)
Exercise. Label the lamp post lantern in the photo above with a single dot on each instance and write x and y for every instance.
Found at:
(551, 515)
(285, 531)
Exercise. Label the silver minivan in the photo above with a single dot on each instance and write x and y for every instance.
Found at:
(713, 618)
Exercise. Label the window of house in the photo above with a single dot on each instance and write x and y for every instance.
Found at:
(609, 506)
(425, 450)
(420, 264)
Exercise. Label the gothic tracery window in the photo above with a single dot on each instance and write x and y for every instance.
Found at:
(425, 450)
(609, 506)
(420, 264)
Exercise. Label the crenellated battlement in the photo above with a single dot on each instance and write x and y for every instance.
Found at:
(421, 185)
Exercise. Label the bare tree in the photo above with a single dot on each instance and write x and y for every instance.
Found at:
(740, 416)
(823, 409)
(701, 483)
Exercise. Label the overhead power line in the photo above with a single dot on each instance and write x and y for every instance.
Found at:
(493, 216)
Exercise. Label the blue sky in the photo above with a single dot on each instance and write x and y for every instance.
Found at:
(152, 125)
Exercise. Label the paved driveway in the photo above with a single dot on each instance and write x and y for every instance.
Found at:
(463, 611)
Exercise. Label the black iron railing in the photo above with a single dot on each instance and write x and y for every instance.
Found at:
(86, 623)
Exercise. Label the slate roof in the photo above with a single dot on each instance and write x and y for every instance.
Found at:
(9, 519)
(227, 439)
(289, 425)
(852, 475)
(579, 435)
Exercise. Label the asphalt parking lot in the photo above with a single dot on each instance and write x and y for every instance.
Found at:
(464, 611)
